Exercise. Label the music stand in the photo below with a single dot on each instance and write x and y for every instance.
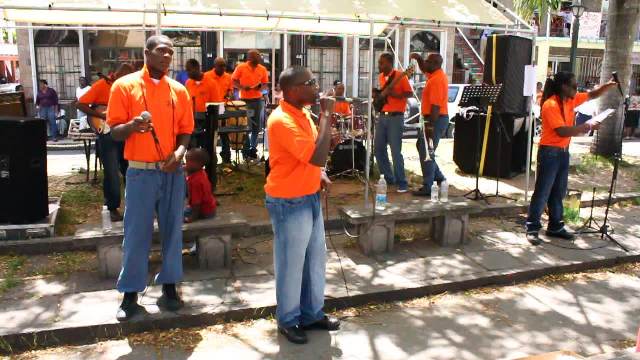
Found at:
(483, 97)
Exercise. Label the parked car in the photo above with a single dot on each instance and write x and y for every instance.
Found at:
(412, 113)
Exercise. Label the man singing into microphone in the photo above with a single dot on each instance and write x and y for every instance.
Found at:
(152, 114)
(297, 151)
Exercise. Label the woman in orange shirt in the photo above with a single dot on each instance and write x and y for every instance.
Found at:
(559, 99)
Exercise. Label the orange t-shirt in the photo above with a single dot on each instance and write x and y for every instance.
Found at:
(167, 101)
(342, 108)
(224, 83)
(292, 141)
(98, 94)
(250, 76)
(436, 92)
(552, 118)
(203, 91)
(393, 104)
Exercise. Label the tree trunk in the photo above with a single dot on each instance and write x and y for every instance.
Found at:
(622, 29)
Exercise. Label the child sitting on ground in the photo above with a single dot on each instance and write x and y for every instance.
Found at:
(202, 204)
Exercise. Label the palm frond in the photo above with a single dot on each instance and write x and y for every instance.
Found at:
(526, 8)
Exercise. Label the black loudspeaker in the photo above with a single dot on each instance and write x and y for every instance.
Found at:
(511, 54)
(24, 194)
(509, 162)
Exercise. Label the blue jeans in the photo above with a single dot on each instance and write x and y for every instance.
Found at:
(111, 154)
(49, 113)
(430, 169)
(389, 132)
(299, 257)
(150, 193)
(551, 187)
(255, 124)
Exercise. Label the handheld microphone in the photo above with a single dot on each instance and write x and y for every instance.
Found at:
(146, 116)
(615, 78)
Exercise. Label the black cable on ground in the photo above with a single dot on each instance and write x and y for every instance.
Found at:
(328, 234)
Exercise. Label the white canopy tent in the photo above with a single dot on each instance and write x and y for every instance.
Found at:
(329, 17)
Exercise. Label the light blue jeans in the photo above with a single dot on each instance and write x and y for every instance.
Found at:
(389, 132)
(430, 169)
(299, 257)
(49, 113)
(151, 193)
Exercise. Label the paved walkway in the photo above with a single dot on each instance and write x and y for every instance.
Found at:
(593, 315)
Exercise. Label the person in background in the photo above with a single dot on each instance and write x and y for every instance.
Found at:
(201, 89)
(81, 90)
(632, 115)
(558, 126)
(202, 204)
(225, 92)
(110, 151)
(567, 19)
(342, 107)
(297, 152)
(539, 93)
(48, 106)
(252, 78)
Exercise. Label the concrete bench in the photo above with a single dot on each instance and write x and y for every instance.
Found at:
(212, 238)
(449, 222)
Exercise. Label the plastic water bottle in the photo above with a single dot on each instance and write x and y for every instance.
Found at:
(106, 220)
(444, 191)
(381, 194)
(434, 192)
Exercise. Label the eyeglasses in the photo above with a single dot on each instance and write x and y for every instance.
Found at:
(310, 82)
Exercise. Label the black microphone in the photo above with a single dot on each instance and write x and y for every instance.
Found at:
(615, 78)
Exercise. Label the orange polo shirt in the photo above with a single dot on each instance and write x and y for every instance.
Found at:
(167, 101)
(250, 76)
(393, 104)
(292, 141)
(203, 91)
(224, 83)
(342, 108)
(436, 92)
(552, 118)
(98, 94)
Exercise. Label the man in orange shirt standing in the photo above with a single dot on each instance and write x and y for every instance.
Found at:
(225, 91)
(297, 151)
(251, 78)
(435, 97)
(152, 114)
(390, 123)
(110, 151)
(201, 89)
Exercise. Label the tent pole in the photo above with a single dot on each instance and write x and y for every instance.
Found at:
(532, 123)
(369, 119)
(158, 18)
(273, 68)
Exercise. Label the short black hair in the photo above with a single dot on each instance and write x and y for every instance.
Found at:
(155, 40)
(388, 56)
(44, 82)
(192, 62)
(199, 154)
(291, 76)
(337, 82)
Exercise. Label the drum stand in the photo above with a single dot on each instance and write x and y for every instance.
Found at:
(353, 172)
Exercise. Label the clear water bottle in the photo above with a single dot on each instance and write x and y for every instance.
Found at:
(106, 219)
(381, 194)
(444, 191)
(434, 192)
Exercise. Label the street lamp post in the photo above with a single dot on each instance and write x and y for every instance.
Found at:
(577, 9)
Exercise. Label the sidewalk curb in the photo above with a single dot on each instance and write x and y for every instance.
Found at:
(88, 334)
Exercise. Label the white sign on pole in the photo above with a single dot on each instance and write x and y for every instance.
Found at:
(529, 80)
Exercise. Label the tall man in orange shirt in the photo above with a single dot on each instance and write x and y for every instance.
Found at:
(297, 151)
(390, 123)
(224, 82)
(155, 149)
(110, 151)
(251, 78)
(435, 97)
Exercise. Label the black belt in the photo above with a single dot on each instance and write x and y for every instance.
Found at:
(252, 100)
(554, 148)
(391, 113)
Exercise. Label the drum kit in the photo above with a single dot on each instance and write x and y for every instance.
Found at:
(348, 153)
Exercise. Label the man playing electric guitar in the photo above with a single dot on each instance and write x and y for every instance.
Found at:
(434, 113)
(393, 95)
(94, 104)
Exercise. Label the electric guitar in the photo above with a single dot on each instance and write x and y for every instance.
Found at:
(379, 101)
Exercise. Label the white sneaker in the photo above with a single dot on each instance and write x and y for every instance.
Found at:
(402, 190)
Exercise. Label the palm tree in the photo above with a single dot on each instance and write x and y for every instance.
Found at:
(526, 8)
(622, 30)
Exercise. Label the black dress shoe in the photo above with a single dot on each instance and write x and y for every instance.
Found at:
(533, 238)
(423, 191)
(328, 323)
(294, 334)
(170, 299)
(562, 234)
(128, 307)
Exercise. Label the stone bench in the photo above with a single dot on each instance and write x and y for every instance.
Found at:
(212, 238)
(449, 222)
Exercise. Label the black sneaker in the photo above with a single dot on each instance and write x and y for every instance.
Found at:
(533, 238)
(128, 307)
(423, 191)
(328, 323)
(294, 334)
(170, 299)
(562, 234)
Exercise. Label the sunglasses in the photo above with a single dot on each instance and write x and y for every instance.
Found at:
(310, 82)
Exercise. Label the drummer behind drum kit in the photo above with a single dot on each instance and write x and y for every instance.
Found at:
(348, 154)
